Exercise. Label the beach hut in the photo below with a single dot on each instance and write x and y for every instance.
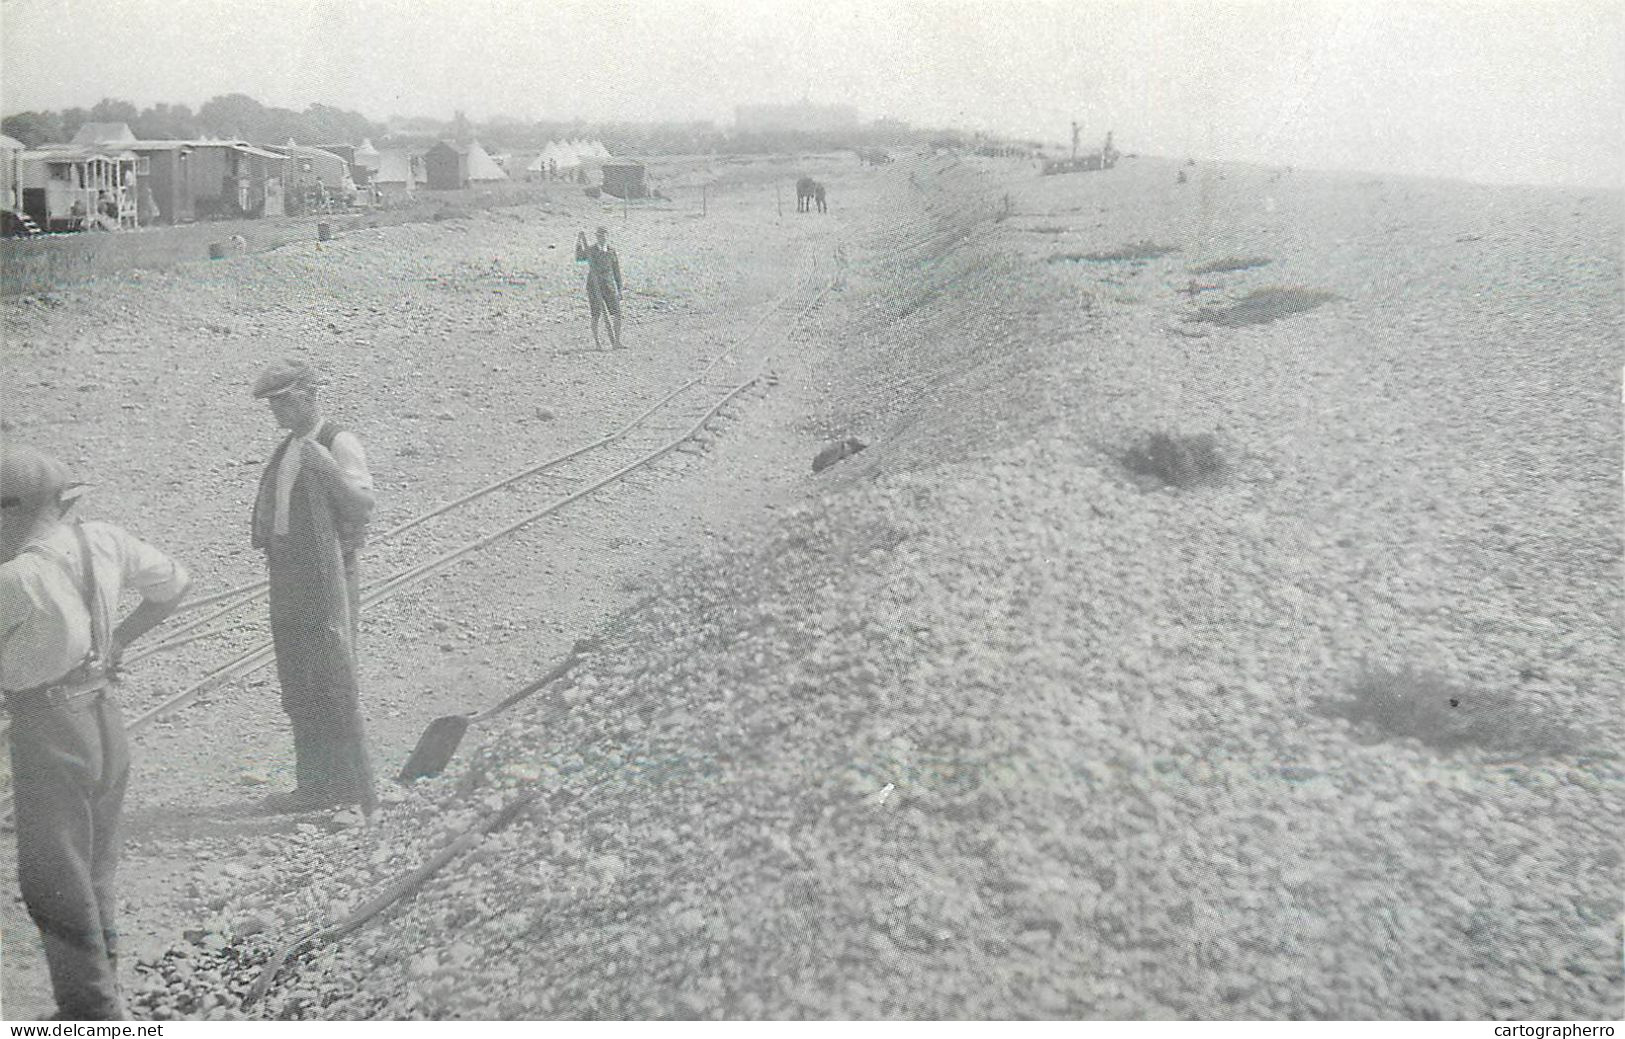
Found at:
(481, 167)
(235, 179)
(309, 167)
(312, 177)
(163, 182)
(76, 187)
(624, 179)
(446, 166)
(168, 156)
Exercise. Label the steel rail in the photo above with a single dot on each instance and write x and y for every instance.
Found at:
(256, 658)
(257, 590)
(259, 656)
(414, 880)
(260, 589)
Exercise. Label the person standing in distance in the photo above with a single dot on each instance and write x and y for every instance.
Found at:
(603, 283)
(60, 584)
(310, 517)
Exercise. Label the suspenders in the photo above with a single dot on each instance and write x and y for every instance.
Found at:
(99, 637)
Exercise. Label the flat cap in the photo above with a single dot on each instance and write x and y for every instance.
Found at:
(284, 376)
(29, 476)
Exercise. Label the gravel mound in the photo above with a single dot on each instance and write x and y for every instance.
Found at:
(982, 728)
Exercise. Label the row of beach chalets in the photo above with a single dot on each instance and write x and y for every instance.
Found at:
(108, 179)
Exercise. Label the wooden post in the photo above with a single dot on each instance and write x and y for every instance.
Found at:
(778, 195)
(704, 192)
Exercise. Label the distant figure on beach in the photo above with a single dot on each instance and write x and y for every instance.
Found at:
(603, 284)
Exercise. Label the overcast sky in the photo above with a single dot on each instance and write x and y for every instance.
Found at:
(1527, 91)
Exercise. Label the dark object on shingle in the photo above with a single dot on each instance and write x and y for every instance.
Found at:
(1177, 460)
(837, 451)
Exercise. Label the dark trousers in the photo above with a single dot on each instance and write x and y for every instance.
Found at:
(331, 765)
(69, 766)
(316, 667)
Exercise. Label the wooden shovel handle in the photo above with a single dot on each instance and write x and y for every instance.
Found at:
(581, 648)
(390, 895)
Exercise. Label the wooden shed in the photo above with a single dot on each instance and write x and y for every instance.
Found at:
(163, 188)
(625, 179)
(445, 167)
(229, 179)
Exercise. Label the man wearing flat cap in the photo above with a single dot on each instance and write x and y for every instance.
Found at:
(310, 519)
(60, 584)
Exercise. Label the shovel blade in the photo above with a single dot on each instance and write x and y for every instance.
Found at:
(435, 748)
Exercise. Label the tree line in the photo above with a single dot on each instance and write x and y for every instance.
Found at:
(238, 116)
(235, 116)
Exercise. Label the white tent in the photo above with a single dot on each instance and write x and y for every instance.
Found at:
(366, 156)
(601, 151)
(103, 133)
(586, 153)
(481, 166)
(566, 155)
(394, 172)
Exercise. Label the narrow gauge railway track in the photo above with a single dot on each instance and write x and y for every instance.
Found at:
(245, 595)
(651, 435)
(403, 556)
(609, 471)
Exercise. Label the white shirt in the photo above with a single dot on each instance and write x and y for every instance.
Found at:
(346, 451)
(44, 629)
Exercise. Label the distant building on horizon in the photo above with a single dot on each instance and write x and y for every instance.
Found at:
(803, 116)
